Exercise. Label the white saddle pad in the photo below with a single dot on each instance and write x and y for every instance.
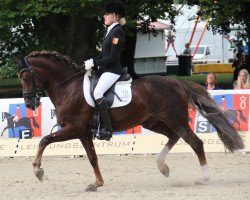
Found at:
(122, 89)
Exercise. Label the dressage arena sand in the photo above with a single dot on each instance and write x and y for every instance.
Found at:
(127, 178)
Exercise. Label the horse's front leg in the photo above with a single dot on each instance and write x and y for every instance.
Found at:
(90, 150)
(66, 133)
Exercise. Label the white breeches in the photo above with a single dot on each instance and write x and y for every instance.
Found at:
(106, 80)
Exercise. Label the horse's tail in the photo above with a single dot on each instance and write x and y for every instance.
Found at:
(199, 97)
(34, 122)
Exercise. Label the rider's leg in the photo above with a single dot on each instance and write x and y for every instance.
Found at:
(106, 80)
(105, 132)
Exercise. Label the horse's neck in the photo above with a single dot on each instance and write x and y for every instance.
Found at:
(49, 71)
(57, 94)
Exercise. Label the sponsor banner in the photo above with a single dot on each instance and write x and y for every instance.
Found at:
(247, 142)
(18, 122)
(120, 144)
(117, 145)
(8, 147)
(29, 147)
(235, 103)
(155, 143)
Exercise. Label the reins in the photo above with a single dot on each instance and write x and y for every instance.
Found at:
(63, 81)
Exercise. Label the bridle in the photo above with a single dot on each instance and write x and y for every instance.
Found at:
(37, 93)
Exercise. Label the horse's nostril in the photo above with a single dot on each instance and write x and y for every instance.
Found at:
(27, 105)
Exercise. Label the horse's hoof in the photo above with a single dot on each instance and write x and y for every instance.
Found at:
(40, 174)
(91, 188)
(201, 181)
(165, 170)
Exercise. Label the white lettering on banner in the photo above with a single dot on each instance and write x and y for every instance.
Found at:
(243, 102)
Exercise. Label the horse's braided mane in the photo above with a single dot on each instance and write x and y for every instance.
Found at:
(56, 55)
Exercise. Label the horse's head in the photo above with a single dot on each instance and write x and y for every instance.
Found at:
(31, 91)
(44, 71)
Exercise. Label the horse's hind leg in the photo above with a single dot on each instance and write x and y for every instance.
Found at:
(160, 127)
(90, 150)
(197, 145)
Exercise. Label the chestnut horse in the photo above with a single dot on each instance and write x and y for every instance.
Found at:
(159, 104)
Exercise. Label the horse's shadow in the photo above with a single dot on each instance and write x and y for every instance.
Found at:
(24, 121)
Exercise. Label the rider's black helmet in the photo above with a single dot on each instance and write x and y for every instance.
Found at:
(116, 7)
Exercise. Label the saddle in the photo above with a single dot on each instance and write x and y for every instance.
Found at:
(111, 93)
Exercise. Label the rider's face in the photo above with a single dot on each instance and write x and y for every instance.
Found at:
(109, 18)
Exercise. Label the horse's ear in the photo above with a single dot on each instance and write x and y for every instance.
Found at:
(20, 62)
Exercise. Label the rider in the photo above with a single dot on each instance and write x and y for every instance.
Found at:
(17, 115)
(108, 63)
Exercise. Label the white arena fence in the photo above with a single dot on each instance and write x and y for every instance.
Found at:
(21, 129)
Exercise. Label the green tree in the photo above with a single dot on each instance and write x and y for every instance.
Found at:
(72, 27)
(75, 27)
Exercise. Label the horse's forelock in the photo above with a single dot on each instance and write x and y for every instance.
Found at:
(56, 55)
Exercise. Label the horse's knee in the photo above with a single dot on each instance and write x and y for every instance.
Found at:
(44, 142)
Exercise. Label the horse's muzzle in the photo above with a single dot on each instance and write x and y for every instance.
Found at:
(32, 104)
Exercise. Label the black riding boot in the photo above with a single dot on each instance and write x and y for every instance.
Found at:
(105, 132)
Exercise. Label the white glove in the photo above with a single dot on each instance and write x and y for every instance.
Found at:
(89, 64)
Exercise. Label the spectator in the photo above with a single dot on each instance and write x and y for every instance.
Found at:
(243, 81)
(211, 83)
(238, 64)
(187, 50)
